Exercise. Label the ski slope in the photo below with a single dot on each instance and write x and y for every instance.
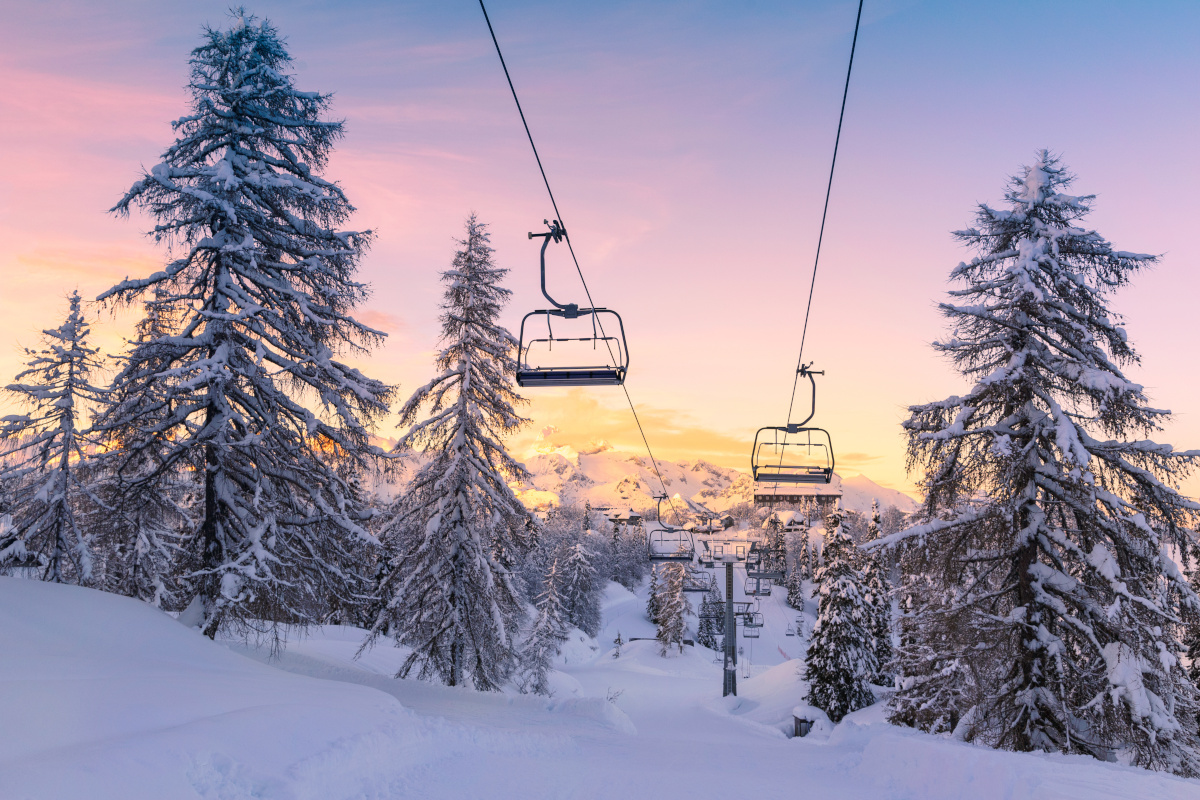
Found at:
(105, 697)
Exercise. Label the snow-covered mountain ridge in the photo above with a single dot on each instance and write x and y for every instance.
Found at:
(604, 476)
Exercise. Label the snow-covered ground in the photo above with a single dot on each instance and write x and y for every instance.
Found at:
(105, 697)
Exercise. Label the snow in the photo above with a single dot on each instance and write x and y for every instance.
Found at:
(107, 697)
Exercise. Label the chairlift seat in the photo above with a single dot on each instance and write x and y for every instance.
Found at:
(579, 376)
(774, 474)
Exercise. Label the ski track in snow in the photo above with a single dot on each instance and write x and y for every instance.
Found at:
(105, 697)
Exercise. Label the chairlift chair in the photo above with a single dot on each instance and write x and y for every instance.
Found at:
(791, 630)
(536, 362)
(670, 544)
(753, 619)
(805, 460)
(758, 587)
(749, 632)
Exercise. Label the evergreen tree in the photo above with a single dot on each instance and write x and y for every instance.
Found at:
(581, 589)
(673, 606)
(252, 394)
(630, 562)
(795, 590)
(652, 599)
(804, 557)
(711, 629)
(841, 656)
(875, 580)
(1055, 586)
(42, 453)
(774, 546)
(617, 642)
(546, 638)
(459, 529)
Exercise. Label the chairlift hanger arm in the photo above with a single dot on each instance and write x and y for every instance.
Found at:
(556, 233)
(805, 372)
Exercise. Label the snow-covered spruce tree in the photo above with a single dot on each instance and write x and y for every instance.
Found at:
(710, 628)
(795, 589)
(41, 455)
(459, 529)
(630, 561)
(581, 589)
(653, 595)
(774, 546)
(875, 581)
(673, 608)
(1056, 580)
(546, 637)
(149, 507)
(256, 398)
(841, 653)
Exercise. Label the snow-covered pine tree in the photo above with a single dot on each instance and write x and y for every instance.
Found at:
(710, 628)
(630, 562)
(841, 655)
(774, 546)
(795, 589)
(804, 557)
(653, 595)
(617, 643)
(547, 635)
(673, 608)
(875, 579)
(459, 529)
(257, 400)
(42, 452)
(581, 589)
(1055, 579)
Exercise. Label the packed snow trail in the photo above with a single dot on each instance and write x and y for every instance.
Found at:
(105, 697)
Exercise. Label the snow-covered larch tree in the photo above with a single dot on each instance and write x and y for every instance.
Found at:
(1049, 519)
(41, 453)
(547, 635)
(841, 652)
(459, 529)
(255, 397)
(142, 533)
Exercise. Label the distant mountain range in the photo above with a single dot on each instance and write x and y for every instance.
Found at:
(603, 476)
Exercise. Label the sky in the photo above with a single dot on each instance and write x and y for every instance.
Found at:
(688, 145)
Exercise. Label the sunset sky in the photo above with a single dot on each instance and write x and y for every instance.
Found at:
(688, 144)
